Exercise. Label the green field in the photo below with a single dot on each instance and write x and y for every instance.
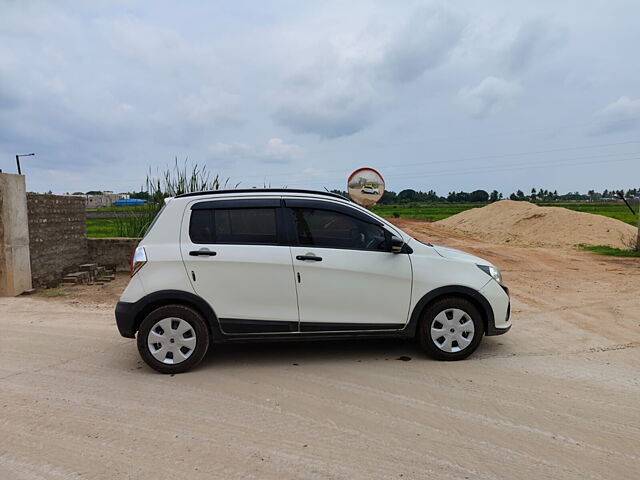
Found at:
(424, 211)
(129, 208)
(108, 227)
(618, 211)
(101, 228)
(438, 211)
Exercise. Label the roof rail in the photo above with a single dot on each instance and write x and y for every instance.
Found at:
(262, 190)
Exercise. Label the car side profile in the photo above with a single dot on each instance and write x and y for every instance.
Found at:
(370, 189)
(264, 264)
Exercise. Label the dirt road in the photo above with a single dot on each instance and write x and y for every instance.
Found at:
(558, 397)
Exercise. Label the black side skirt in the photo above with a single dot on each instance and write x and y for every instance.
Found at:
(234, 326)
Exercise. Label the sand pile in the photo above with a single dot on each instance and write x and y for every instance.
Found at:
(523, 223)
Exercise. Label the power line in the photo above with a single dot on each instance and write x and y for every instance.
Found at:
(542, 163)
(506, 168)
(462, 159)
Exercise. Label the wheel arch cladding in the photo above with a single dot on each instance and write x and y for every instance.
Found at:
(164, 298)
(475, 297)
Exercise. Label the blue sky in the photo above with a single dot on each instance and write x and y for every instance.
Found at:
(435, 95)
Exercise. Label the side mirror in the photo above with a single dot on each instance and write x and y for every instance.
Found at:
(396, 244)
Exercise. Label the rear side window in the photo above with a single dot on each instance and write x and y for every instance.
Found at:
(234, 226)
(324, 228)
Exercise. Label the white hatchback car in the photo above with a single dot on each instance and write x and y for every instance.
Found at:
(370, 189)
(241, 265)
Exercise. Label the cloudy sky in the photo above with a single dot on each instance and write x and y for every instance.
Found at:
(436, 95)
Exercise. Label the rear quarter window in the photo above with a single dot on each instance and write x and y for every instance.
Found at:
(248, 226)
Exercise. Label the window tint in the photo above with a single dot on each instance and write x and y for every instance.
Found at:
(235, 225)
(323, 228)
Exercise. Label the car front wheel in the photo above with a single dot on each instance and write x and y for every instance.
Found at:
(450, 329)
(173, 339)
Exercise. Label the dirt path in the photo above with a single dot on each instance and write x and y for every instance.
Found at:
(555, 398)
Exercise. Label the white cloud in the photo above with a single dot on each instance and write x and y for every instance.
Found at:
(421, 44)
(533, 40)
(331, 96)
(490, 96)
(279, 151)
(149, 45)
(619, 116)
(209, 107)
(275, 150)
(352, 76)
(229, 149)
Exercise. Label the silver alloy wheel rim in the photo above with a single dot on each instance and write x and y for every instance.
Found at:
(452, 330)
(171, 340)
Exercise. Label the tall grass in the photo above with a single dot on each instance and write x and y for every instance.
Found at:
(170, 182)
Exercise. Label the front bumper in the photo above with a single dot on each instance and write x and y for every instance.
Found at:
(126, 319)
(498, 297)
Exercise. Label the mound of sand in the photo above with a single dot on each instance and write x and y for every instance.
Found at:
(524, 223)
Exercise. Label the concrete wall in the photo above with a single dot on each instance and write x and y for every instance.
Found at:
(112, 252)
(15, 270)
(57, 227)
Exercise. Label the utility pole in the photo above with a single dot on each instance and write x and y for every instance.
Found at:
(638, 237)
(18, 160)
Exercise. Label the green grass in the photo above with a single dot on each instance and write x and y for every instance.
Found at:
(102, 227)
(128, 208)
(610, 251)
(109, 227)
(424, 211)
(438, 211)
(619, 211)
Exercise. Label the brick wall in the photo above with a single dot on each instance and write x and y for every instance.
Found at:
(112, 252)
(57, 240)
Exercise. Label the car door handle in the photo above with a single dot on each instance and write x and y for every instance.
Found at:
(204, 253)
(309, 257)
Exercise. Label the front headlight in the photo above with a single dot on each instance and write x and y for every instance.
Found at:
(492, 271)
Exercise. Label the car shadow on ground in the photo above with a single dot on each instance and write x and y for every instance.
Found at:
(331, 351)
(311, 352)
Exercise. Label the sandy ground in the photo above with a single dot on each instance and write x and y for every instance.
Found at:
(557, 397)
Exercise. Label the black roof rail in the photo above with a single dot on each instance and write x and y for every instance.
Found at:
(262, 190)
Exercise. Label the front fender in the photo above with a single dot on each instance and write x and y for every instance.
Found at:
(473, 295)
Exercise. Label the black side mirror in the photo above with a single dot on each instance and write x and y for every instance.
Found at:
(396, 244)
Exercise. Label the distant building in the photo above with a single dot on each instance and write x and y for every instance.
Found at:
(104, 199)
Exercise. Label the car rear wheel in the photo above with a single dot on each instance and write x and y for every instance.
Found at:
(173, 339)
(450, 329)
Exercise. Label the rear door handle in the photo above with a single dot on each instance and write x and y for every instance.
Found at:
(204, 253)
(309, 257)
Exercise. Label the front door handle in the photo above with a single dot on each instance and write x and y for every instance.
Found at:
(204, 253)
(313, 258)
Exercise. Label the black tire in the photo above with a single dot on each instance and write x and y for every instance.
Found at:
(423, 332)
(197, 323)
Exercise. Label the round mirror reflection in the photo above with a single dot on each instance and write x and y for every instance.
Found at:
(365, 186)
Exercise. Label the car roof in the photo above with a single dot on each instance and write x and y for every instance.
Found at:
(253, 191)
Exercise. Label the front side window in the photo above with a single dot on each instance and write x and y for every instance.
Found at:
(234, 226)
(324, 228)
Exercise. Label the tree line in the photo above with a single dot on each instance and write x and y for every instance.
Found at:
(482, 196)
(476, 196)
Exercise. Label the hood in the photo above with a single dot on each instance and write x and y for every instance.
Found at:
(453, 254)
